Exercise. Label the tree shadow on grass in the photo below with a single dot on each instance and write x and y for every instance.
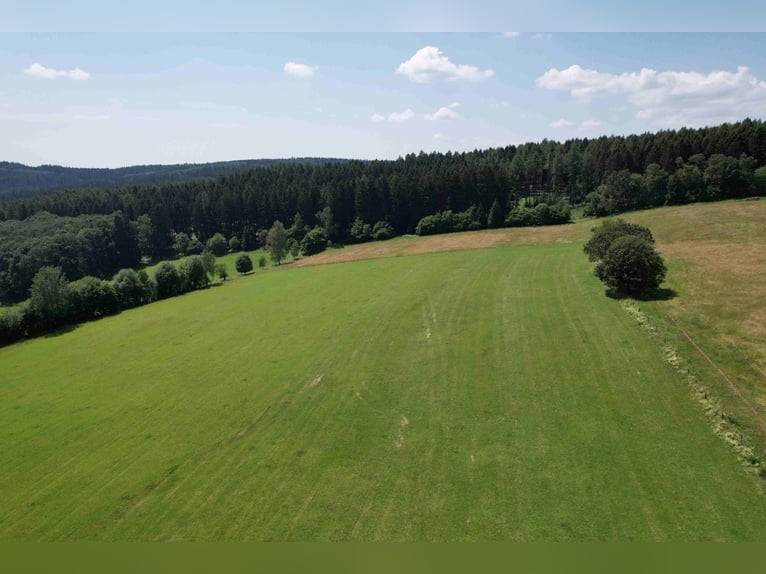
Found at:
(658, 294)
(57, 332)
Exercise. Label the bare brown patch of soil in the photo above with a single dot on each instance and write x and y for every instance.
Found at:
(415, 245)
(316, 381)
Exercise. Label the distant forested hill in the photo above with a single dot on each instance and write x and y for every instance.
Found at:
(18, 180)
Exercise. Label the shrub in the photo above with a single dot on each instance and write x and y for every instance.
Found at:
(12, 326)
(382, 230)
(315, 241)
(360, 231)
(243, 264)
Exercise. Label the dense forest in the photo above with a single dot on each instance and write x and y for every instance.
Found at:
(18, 180)
(348, 201)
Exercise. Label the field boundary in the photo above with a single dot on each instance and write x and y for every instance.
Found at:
(722, 423)
(732, 386)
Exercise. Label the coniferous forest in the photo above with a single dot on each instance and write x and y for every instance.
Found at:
(99, 231)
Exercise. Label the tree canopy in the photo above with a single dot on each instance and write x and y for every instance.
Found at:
(244, 264)
(631, 266)
(276, 242)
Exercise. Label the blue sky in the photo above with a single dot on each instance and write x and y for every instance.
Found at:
(109, 99)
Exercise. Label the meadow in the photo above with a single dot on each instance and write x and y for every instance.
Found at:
(472, 394)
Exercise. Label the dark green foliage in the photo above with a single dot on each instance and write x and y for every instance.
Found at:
(168, 280)
(608, 174)
(243, 264)
(759, 181)
(276, 242)
(631, 266)
(208, 262)
(235, 244)
(127, 252)
(95, 245)
(12, 326)
(145, 235)
(687, 184)
(314, 242)
(293, 247)
(382, 230)
(181, 243)
(260, 237)
(262, 261)
(133, 289)
(193, 273)
(326, 220)
(540, 214)
(437, 223)
(195, 247)
(18, 180)
(49, 297)
(298, 229)
(217, 245)
(495, 217)
(447, 221)
(91, 297)
(360, 231)
(606, 233)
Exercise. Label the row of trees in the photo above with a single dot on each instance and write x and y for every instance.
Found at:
(696, 179)
(54, 301)
(611, 174)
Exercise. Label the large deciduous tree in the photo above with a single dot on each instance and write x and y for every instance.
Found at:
(605, 234)
(631, 266)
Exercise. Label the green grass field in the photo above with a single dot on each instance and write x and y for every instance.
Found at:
(490, 394)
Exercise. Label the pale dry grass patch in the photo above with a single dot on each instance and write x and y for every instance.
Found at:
(716, 256)
(416, 245)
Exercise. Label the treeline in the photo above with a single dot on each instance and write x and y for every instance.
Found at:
(55, 302)
(352, 201)
(18, 180)
(673, 167)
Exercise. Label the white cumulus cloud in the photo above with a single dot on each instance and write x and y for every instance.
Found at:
(443, 113)
(37, 70)
(561, 123)
(591, 124)
(395, 117)
(429, 64)
(670, 97)
(401, 116)
(511, 34)
(300, 70)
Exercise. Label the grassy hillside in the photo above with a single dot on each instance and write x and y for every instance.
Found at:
(716, 256)
(489, 394)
